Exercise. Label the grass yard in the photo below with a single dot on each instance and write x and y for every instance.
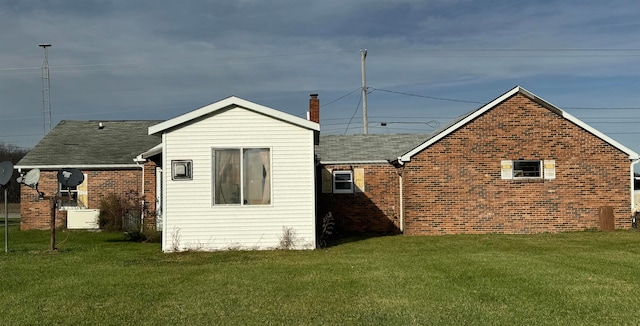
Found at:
(586, 278)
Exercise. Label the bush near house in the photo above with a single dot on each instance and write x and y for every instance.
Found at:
(581, 278)
(122, 213)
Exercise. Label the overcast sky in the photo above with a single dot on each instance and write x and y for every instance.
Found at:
(427, 61)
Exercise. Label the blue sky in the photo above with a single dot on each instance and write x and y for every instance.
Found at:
(427, 62)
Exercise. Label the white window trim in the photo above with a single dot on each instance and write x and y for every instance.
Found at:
(334, 181)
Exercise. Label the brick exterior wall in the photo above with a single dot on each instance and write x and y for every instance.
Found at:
(36, 214)
(455, 186)
(377, 209)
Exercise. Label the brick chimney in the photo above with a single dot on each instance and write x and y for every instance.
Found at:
(314, 108)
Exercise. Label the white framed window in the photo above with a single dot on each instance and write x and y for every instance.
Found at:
(528, 169)
(241, 176)
(343, 182)
(181, 170)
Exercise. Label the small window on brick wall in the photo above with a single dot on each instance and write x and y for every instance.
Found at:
(528, 169)
(343, 181)
(73, 197)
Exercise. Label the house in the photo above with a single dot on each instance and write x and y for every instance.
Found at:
(237, 175)
(104, 152)
(518, 164)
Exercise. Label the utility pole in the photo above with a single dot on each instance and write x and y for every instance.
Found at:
(46, 86)
(363, 56)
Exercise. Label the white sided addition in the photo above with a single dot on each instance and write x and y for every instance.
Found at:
(237, 175)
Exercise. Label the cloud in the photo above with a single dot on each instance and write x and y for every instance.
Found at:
(157, 59)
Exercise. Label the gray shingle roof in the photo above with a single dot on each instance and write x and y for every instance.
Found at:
(73, 143)
(364, 148)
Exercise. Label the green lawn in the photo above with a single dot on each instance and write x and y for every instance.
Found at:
(587, 278)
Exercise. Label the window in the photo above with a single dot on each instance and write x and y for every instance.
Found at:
(528, 169)
(182, 170)
(68, 196)
(242, 176)
(342, 182)
(73, 197)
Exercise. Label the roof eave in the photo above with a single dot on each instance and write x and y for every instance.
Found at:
(77, 166)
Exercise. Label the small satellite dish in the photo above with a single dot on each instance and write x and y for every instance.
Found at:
(30, 179)
(70, 177)
(6, 171)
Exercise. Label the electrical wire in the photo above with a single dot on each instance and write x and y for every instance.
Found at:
(425, 96)
(353, 115)
(341, 97)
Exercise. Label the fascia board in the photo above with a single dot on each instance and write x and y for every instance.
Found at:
(632, 155)
(407, 157)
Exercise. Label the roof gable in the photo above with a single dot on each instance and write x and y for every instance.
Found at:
(465, 119)
(231, 101)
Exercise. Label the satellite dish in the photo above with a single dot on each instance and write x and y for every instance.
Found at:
(30, 179)
(6, 171)
(70, 177)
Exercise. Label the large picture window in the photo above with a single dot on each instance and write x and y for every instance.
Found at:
(242, 176)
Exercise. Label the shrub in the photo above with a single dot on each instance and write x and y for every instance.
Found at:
(288, 240)
(120, 213)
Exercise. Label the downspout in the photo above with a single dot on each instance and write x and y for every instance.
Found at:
(401, 202)
(401, 186)
(139, 160)
(633, 197)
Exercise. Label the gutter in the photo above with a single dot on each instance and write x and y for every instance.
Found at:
(81, 166)
(352, 162)
(401, 201)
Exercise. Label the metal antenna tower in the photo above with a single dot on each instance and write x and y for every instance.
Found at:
(46, 87)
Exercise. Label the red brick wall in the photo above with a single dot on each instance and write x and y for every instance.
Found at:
(374, 210)
(36, 214)
(455, 186)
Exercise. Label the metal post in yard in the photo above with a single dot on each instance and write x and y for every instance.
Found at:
(53, 223)
(6, 222)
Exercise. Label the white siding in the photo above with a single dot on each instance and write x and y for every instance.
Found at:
(192, 222)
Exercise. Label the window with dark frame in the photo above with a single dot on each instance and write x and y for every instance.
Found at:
(527, 169)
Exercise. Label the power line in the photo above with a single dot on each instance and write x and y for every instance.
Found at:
(341, 97)
(425, 96)
(354, 114)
